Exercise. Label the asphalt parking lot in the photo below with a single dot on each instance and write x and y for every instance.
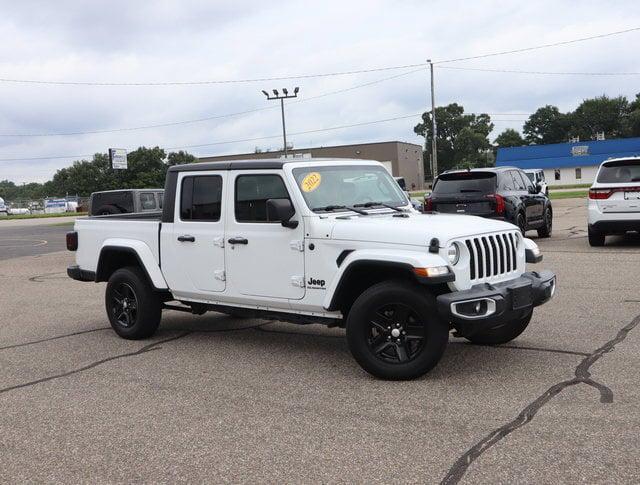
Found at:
(218, 399)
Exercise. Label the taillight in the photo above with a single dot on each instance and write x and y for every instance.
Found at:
(428, 204)
(72, 241)
(600, 193)
(500, 205)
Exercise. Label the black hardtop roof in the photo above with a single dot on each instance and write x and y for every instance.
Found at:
(267, 163)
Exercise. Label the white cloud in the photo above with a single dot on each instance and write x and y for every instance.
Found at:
(192, 40)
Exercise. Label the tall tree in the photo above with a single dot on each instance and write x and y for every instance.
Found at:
(547, 125)
(600, 115)
(461, 138)
(509, 138)
(633, 117)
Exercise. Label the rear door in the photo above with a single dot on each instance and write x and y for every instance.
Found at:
(622, 179)
(465, 193)
(194, 262)
(533, 201)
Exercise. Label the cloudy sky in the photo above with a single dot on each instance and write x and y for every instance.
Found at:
(182, 41)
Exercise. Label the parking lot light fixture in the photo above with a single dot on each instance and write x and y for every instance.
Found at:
(281, 97)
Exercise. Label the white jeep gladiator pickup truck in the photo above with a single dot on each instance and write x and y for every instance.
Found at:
(314, 241)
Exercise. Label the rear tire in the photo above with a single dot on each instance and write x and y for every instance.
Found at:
(394, 331)
(133, 307)
(596, 239)
(547, 227)
(503, 334)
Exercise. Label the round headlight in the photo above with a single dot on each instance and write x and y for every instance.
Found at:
(453, 253)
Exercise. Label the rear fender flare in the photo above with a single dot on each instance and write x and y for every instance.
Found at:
(144, 255)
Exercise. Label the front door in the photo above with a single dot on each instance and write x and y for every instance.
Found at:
(263, 258)
(195, 265)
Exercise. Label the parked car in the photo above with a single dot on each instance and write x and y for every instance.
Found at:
(614, 199)
(125, 201)
(415, 203)
(504, 193)
(3, 208)
(536, 175)
(323, 241)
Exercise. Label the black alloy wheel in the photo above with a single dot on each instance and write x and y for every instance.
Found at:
(396, 334)
(124, 305)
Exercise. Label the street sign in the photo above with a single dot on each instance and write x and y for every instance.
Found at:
(118, 158)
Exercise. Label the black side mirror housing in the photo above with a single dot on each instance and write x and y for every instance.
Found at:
(281, 210)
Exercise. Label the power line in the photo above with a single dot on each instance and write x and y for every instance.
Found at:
(219, 81)
(555, 73)
(319, 130)
(542, 46)
(210, 118)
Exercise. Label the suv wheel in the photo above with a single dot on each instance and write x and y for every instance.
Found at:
(547, 226)
(502, 334)
(596, 238)
(394, 331)
(133, 307)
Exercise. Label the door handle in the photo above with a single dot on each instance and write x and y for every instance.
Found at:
(238, 240)
(186, 239)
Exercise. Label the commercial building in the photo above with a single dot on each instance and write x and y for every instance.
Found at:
(568, 163)
(401, 159)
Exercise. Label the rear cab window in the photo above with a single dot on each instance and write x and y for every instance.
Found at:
(465, 183)
(620, 172)
(201, 198)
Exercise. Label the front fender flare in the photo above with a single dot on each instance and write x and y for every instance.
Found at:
(404, 258)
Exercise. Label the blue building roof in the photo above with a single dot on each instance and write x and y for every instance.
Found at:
(560, 155)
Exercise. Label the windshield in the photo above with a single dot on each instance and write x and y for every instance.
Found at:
(329, 188)
(621, 171)
(465, 182)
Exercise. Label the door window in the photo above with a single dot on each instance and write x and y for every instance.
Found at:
(252, 193)
(201, 198)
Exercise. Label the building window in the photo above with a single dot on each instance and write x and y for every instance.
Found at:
(556, 173)
(578, 173)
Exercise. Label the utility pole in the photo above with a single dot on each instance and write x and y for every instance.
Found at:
(434, 129)
(282, 97)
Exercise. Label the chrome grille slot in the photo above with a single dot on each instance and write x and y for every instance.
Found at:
(491, 256)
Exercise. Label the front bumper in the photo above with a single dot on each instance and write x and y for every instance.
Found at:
(487, 306)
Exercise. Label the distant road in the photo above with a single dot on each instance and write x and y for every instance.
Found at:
(27, 239)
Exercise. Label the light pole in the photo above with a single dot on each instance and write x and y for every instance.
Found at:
(285, 95)
(434, 152)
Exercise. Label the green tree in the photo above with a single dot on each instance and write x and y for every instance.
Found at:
(600, 115)
(461, 138)
(180, 158)
(509, 138)
(547, 125)
(633, 117)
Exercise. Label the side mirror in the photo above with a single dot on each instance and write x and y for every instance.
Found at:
(281, 210)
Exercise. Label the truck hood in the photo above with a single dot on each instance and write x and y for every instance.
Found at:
(416, 229)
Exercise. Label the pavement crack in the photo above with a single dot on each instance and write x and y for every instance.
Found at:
(147, 348)
(57, 337)
(582, 376)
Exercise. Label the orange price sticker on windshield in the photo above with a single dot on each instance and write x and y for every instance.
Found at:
(311, 182)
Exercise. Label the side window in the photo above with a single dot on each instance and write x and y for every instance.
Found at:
(556, 174)
(518, 184)
(506, 182)
(147, 201)
(525, 180)
(252, 193)
(201, 198)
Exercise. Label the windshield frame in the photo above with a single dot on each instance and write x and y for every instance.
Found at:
(294, 172)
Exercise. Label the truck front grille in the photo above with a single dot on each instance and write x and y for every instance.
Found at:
(493, 255)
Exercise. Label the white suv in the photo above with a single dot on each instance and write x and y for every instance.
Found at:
(614, 199)
(536, 175)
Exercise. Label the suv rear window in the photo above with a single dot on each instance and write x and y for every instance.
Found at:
(114, 201)
(621, 171)
(465, 182)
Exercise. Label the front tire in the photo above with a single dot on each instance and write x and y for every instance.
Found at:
(596, 239)
(503, 334)
(133, 307)
(394, 331)
(545, 230)
(521, 222)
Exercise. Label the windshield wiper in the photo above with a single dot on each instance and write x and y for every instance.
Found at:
(372, 204)
(331, 208)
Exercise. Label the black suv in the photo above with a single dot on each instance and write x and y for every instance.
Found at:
(500, 193)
